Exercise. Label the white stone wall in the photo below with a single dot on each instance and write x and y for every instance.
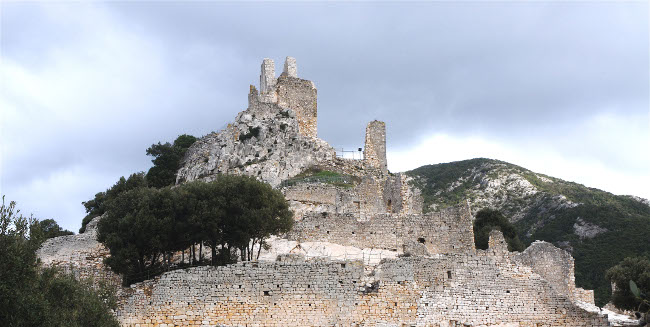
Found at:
(422, 291)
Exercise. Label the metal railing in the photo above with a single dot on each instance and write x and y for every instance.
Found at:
(350, 154)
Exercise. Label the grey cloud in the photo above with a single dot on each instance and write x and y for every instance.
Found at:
(525, 73)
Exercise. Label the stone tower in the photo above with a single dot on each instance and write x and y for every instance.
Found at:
(267, 75)
(290, 67)
(300, 96)
(374, 152)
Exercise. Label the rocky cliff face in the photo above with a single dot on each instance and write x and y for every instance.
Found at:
(263, 141)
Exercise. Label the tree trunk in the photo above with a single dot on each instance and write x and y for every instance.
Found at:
(258, 251)
(201, 252)
(214, 254)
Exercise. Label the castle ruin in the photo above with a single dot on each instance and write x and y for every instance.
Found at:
(428, 272)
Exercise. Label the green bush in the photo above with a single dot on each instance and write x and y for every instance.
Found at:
(488, 220)
(32, 296)
(635, 269)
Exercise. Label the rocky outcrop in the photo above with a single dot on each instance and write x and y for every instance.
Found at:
(263, 141)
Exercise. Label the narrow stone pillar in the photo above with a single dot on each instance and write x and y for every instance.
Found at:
(267, 75)
(497, 243)
(374, 152)
(290, 67)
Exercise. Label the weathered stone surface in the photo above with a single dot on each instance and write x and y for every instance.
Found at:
(360, 254)
(444, 290)
(375, 151)
(81, 255)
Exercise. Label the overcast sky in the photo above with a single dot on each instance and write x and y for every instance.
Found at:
(559, 88)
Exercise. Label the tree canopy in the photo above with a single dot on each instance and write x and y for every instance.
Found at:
(636, 269)
(97, 206)
(489, 219)
(167, 160)
(32, 296)
(232, 215)
(50, 228)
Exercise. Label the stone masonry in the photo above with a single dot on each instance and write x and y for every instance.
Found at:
(375, 151)
(431, 274)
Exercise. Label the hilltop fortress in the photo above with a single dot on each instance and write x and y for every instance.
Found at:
(361, 252)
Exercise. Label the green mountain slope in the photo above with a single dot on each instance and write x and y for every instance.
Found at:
(597, 227)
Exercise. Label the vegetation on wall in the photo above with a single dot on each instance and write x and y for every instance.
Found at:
(626, 220)
(50, 228)
(31, 296)
(488, 220)
(318, 175)
(144, 227)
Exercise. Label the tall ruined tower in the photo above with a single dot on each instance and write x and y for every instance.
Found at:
(374, 152)
(288, 91)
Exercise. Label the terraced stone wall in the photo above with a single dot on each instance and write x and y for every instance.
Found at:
(446, 231)
(445, 290)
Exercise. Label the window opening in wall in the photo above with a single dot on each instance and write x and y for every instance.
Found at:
(352, 233)
(449, 274)
(328, 232)
(342, 265)
(266, 293)
(507, 291)
(389, 206)
(357, 205)
(421, 240)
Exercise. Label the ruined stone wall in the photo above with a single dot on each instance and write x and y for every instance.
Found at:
(80, 255)
(374, 153)
(300, 96)
(370, 196)
(290, 67)
(553, 264)
(470, 290)
(581, 294)
(447, 231)
(267, 81)
(482, 290)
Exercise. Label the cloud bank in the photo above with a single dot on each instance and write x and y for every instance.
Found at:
(559, 88)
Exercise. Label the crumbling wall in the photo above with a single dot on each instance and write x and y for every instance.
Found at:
(289, 292)
(481, 290)
(80, 255)
(553, 264)
(374, 153)
(300, 96)
(446, 231)
(274, 139)
(444, 290)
